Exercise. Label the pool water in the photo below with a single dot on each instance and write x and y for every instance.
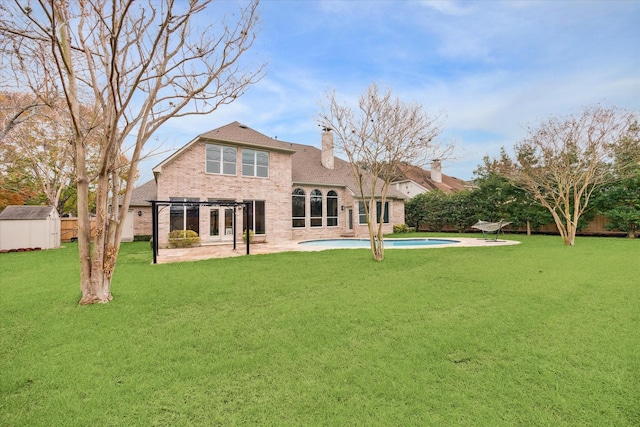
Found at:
(388, 243)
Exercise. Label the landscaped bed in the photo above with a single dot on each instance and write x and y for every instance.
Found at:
(531, 334)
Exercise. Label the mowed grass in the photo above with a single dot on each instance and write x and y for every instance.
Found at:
(534, 334)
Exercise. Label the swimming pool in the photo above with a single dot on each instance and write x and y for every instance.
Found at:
(388, 243)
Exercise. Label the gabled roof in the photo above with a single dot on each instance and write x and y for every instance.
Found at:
(241, 134)
(307, 168)
(234, 133)
(422, 177)
(306, 161)
(26, 212)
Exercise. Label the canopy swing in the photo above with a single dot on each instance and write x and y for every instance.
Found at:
(489, 228)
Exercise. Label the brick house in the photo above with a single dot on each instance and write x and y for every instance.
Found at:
(294, 191)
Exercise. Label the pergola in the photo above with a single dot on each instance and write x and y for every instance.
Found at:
(156, 204)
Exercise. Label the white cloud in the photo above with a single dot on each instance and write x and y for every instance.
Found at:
(493, 67)
(446, 7)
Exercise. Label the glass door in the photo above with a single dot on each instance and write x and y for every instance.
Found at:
(228, 223)
(214, 223)
(221, 223)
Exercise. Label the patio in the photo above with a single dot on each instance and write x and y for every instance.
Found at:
(226, 250)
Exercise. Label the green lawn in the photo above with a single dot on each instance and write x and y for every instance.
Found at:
(533, 334)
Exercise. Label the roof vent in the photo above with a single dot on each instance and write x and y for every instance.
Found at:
(243, 126)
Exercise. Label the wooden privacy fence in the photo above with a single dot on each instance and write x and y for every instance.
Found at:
(597, 227)
(69, 229)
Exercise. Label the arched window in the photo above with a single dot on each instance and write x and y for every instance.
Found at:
(332, 209)
(298, 201)
(315, 203)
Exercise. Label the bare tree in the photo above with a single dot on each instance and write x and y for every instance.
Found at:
(564, 160)
(15, 109)
(41, 145)
(26, 79)
(376, 136)
(137, 65)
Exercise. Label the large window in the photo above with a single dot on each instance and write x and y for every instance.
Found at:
(184, 216)
(332, 209)
(316, 208)
(362, 217)
(221, 159)
(385, 218)
(298, 200)
(257, 218)
(255, 163)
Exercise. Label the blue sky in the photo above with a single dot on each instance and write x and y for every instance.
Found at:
(491, 67)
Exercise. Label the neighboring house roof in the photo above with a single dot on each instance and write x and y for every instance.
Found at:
(307, 169)
(422, 177)
(235, 133)
(26, 212)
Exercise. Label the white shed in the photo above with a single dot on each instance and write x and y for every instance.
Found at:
(23, 227)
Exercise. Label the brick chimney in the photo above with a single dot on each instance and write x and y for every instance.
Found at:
(327, 148)
(436, 171)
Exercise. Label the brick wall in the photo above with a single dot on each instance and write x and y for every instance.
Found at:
(185, 176)
(346, 201)
(141, 223)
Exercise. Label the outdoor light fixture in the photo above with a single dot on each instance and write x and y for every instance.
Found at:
(139, 213)
(341, 207)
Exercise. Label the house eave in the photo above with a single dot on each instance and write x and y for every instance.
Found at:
(248, 144)
(318, 184)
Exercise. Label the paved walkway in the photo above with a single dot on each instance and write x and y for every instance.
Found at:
(226, 250)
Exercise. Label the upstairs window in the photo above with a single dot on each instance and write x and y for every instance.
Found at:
(255, 163)
(221, 159)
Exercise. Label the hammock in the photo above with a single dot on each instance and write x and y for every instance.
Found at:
(490, 227)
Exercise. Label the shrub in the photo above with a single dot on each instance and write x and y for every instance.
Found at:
(244, 236)
(183, 238)
(142, 238)
(401, 228)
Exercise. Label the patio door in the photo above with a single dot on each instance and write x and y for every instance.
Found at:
(221, 223)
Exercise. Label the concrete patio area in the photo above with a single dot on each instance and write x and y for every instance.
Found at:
(226, 250)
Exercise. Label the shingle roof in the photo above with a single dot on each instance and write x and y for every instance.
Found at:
(26, 212)
(306, 161)
(307, 168)
(242, 134)
(422, 177)
(235, 133)
(142, 194)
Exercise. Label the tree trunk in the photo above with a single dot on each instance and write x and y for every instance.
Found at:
(66, 68)
(528, 228)
(377, 244)
(105, 246)
(377, 248)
